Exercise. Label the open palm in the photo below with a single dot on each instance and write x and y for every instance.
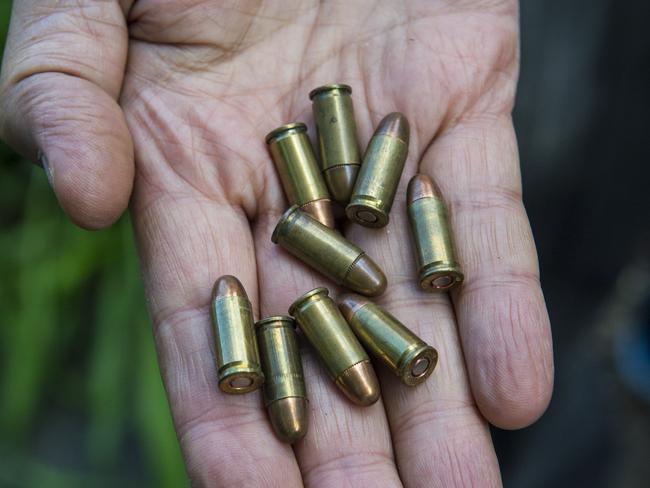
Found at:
(204, 82)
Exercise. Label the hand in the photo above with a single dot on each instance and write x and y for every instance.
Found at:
(204, 82)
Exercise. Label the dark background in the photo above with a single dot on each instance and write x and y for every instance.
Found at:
(80, 397)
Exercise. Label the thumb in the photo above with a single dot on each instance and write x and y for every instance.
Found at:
(61, 76)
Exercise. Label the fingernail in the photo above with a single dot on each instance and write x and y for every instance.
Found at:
(43, 162)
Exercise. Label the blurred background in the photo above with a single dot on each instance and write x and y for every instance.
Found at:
(81, 401)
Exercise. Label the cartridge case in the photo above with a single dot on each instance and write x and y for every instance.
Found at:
(438, 269)
(337, 139)
(299, 173)
(381, 169)
(237, 357)
(328, 252)
(345, 360)
(284, 391)
(386, 338)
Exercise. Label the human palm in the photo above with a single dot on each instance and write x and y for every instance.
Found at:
(203, 84)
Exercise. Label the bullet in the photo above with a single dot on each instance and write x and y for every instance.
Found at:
(383, 162)
(345, 359)
(337, 139)
(284, 391)
(438, 268)
(386, 338)
(238, 361)
(299, 172)
(328, 252)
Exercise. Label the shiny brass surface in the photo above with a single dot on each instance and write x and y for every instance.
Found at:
(299, 173)
(386, 338)
(328, 252)
(438, 268)
(284, 387)
(381, 169)
(337, 139)
(238, 362)
(345, 359)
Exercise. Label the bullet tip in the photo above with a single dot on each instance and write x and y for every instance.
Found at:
(340, 181)
(350, 303)
(421, 186)
(321, 210)
(360, 384)
(440, 278)
(289, 418)
(228, 286)
(366, 277)
(396, 125)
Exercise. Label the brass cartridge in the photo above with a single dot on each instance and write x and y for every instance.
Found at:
(328, 252)
(299, 172)
(386, 338)
(381, 169)
(337, 139)
(438, 268)
(238, 361)
(284, 391)
(345, 360)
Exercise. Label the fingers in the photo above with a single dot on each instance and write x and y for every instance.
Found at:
(187, 239)
(345, 445)
(439, 437)
(61, 76)
(501, 313)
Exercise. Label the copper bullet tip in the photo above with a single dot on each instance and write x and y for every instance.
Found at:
(228, 286)
(395, 125)
(289, 418)
(366, 277)
(360, 384)
(321, 210)
(350, 303)
(421, 186)
(340, 180)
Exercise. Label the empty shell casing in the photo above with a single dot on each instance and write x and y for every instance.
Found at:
(299, 172)
(386, 338)
(284, 392)
(345, 360)
(381, 169)
(337, 139)
(238, 361)
(437, 266)
(329, 252)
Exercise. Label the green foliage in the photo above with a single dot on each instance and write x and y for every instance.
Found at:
(81, 399)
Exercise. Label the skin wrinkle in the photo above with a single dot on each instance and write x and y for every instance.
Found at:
(349, 467)
(30, 59)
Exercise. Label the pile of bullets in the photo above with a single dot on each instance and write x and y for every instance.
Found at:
(250, 355)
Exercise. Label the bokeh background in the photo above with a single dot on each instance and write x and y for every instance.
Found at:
(81, 401)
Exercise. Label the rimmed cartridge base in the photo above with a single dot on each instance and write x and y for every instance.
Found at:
(417, 365)
(439, 278)
(239, 379)
(365, 211)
